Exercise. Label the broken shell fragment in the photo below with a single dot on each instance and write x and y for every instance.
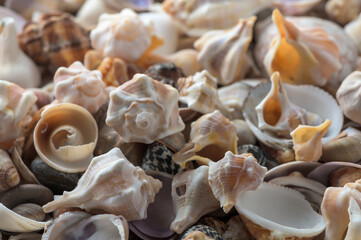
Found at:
(65, 137)
(9, 176)
(112, 184)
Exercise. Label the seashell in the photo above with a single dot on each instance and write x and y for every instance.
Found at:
(197, 17)
(167, 73)
(236, 230)
(26, 236)
(11, 56)
(244, 133)
(9, 176)
(116, 34)
(174, 142)
(287, 168)
(232, 175)
(78, 85)
(144, 110)
(214, 223)
(256, 151)
(17, 104)
(343, 11)
(325, 55)
(28, 7)
(352, 30)
(348, 96)
(335, 209)
(114, 71)
(30, 210)
(354, 226)
(192, 198)
(65, 137)
(344, 148)
(307, 141)
(96, 188)
(199, 92)
(272, 210)
(343, 175)
(212, 135)
(54, 41)
(43, 97)
(200, 232)
(224, 52)
(297, 7)
(80, 225)
(19, 20)
(186, 59)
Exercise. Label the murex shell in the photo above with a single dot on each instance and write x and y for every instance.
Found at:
(78, 85)
(65, 137)
(112, 184)
(54, 40)
(144, 110)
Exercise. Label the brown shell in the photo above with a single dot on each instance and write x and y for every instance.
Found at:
(54, 40)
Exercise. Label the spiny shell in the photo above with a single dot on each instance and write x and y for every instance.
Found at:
(112, 184)
(224, 52)
(15, 108)
(9, 176)
(54, 40)
(144, 110)
(65, 137)
(343, 11)
(76, 84)
(27, 74)
(232, 175)
(192, 198)
(212, 135)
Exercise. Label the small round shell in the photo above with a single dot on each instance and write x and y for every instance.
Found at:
(65, 137)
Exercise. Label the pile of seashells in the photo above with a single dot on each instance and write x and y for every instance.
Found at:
(179, 119)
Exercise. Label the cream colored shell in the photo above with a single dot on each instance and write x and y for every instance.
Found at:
(295, 7)
(9, 176)
(112, 184)
(343, 11)
(144, 110)
(76, 84)
(353, 30)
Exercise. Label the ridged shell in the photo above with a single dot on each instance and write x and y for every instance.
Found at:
(65, 137)
(144, 110)
(232, 175)
(27, 74)
(112, 184)
(272, 211)
(54, 41)
(192, 198)
(16, 104)
(212, 135)
(353, 31)
(78, 85)
(295, 7)
(224, 52)
(9, 176)
(343, 11)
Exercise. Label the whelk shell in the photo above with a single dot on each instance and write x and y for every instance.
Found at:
(65, 137)
(9, 176)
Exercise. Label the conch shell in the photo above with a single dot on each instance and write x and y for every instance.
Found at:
(307, 141)
(15, 106)
(65, 137)
(144, 110)
(224, 52)
(212, 135)
(343, 11)
(78, 85)
(233, 175)
(11, 57)
(112, 184)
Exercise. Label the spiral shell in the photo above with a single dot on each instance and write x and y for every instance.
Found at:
(78, 85)
(65, 137)
(144, 110)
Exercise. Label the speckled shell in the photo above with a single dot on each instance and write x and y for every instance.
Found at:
(78, 85)
(112, 184)
(54, 40)
(343, 11)
(144, 110)
(224, 52)
(232, 175)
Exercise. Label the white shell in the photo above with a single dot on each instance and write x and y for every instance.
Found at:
(295, 7)
(354, 226)
(112, 184)
(11, 57)
(89, 13)
(353, 30)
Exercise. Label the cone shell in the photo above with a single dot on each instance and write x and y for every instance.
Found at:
(224, 52)
(212, 135)
(9, 176)
(144, 110)
(232, 175)
(65, 137)
(54, 40)
(112, 184)
(78, 85)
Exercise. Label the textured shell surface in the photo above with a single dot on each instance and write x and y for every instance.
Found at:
(144, 110)
(273, 211)
(65, 137)
(200, 232)
(353, 30)
(295, 7)
(12, 57)
(232, 175)
(78, 85)
(9, 176)
(112, 184)
(343, 11)
(15, 106)
(224, 52)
